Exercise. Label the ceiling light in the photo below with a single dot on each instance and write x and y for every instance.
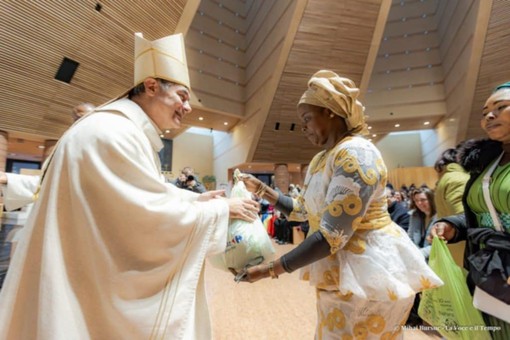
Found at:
(237, 31)
(219, 77)
(397, 125)
(405, 35)
(385, 38)
(388, 71)
(426, 32)
(161, 136)
(200, 51)
(426, 123)
(374, 135)
(402, 3)
(424, 15)
(389, 88)
(451, 119)
(370, 128)
(225, 123)
(201, 13)
(167, 131)
(220, 22)
(427, 49)
(237, 14)
(200, 118)
(41, 146)
(429, 65)
(220, 5)
(220, 41)
(386, 55)
(404, 19)
(407, 52)
(201, 32)
(408, 68)
(200, 71)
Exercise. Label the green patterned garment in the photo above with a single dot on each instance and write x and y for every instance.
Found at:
(500, 194)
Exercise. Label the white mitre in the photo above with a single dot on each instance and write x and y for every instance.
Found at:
(164, 58)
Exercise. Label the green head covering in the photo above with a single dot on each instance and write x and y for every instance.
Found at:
(502, 86)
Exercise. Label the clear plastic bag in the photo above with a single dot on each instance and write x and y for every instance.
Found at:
(247, 243)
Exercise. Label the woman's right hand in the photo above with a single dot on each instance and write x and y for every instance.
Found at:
(443, 230)
(252, 183)
(243, 208)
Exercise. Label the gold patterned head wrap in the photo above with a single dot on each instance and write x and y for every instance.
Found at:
(340, 95)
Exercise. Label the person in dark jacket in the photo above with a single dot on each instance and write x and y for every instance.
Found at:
(487, 235)
(398, 212)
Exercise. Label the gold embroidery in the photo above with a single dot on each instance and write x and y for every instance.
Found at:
(356, 245)
(360, 330)
(352, 204)
(392, 295)
(347, 337)
(334, 238)
(376, 323)
(350, 164)
(344, 297)
(426, 284)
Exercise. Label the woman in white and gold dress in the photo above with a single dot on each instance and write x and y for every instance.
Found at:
(365, 268)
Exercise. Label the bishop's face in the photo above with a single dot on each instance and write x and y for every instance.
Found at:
(171, 105)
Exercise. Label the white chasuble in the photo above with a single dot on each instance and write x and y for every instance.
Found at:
(19, 190)
(111, 251)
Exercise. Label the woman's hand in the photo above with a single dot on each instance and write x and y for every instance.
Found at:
(252, 183)
(243, 208)
(261, 271)
(443, 230)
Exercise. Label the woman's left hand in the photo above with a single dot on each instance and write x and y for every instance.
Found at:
(252, 274)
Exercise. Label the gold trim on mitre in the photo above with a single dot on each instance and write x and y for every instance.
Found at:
(164, 58)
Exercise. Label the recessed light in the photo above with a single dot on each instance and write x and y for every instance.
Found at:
(397, 125)
(374, 135)
(426, 123)
(161, 136)
(167, 131)
(225, 123)
(404, 19)
(370, 128)
(41, 146)
(424, 15)
(200, 118)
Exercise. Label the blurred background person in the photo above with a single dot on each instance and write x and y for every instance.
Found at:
(189, 181)
(423, 215)
(398, 212)
(448, 193)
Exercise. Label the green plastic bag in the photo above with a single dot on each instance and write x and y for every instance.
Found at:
(449, 308)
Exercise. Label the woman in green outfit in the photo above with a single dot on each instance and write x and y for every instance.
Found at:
(487, 256)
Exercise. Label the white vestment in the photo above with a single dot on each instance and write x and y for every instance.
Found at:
(19, 190)
(111, 251)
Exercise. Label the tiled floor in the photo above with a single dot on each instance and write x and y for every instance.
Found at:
(269, 309)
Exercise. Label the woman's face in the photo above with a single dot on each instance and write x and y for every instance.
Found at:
(496, 116)
(316, 124)
(422, 202)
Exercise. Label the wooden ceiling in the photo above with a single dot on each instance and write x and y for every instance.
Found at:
(390, 48)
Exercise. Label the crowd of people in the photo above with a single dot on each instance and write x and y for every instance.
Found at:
(112, 250)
